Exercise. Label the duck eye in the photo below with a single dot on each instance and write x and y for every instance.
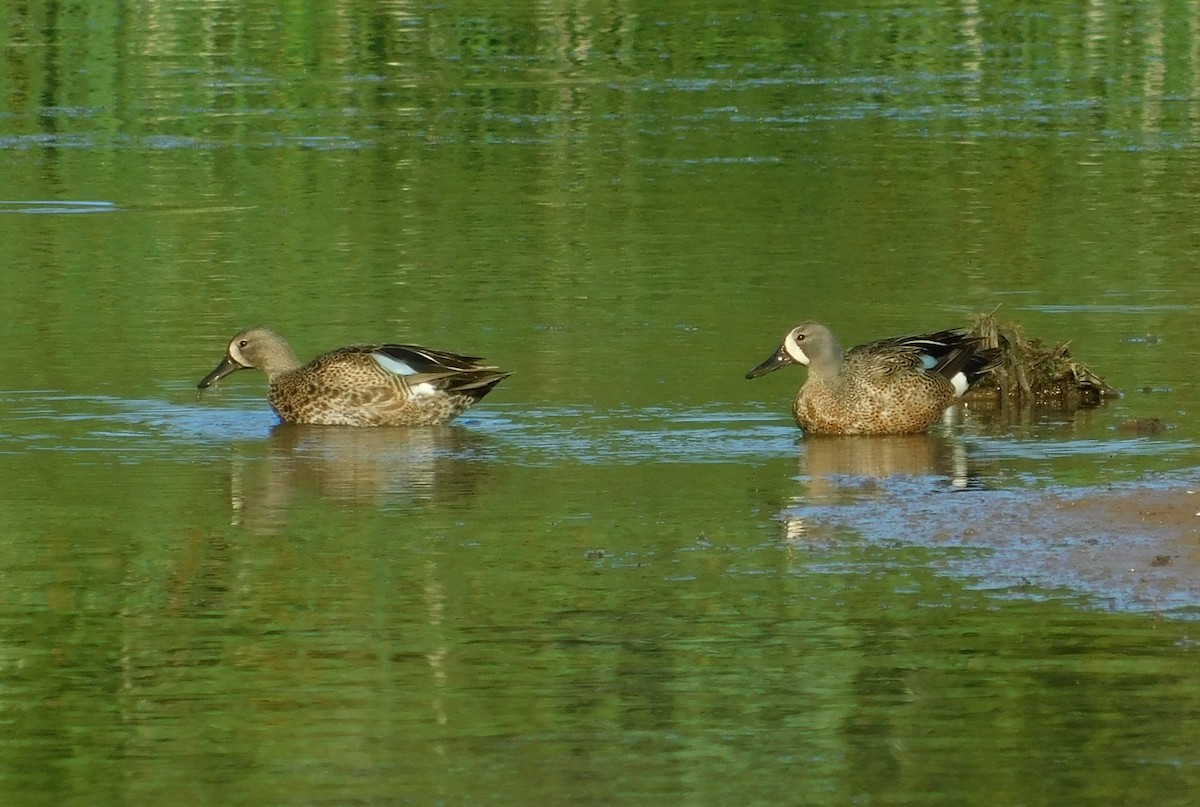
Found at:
(243, 343)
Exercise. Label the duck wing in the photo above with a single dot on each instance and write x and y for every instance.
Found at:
(451, 372)
(946, 353)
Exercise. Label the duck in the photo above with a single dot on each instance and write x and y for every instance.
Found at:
(899, 385)
(360, 385)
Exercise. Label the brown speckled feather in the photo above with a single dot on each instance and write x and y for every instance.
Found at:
(362, 385)
(891, 386)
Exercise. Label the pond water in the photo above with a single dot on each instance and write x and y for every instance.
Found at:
(623, 577)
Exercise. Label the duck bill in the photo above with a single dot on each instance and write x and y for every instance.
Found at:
(223, 369)
(779, 358)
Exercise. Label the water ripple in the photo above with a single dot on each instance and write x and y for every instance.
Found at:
(72, 206)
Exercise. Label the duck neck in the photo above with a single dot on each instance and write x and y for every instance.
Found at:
(281, 362)
(828, 364)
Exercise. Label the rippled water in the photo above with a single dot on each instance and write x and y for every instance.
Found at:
(624, 577)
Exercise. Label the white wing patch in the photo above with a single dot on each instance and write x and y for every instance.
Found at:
(960, 384)
(393, 365)
(402, 368)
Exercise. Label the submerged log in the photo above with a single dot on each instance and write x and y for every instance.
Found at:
(1030, 372)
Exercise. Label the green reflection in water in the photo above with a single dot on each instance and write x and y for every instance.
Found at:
(537, 632)
(586, 591)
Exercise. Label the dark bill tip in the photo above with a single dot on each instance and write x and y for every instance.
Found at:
(779, 358)
(223, 369)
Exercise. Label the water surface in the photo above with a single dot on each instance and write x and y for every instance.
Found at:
(624, 577)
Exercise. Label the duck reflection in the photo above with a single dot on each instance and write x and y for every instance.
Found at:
(383, 467)
(827, 460)
(847, 469)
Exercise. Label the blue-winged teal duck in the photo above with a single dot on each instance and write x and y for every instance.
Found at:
(893, 386)
(362, 385)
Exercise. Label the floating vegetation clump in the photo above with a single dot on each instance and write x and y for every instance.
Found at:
(1030, 372)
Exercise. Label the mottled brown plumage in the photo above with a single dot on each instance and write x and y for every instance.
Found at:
(892, 386)
(361, 385)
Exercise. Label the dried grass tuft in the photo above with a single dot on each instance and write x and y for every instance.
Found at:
(1032, 372)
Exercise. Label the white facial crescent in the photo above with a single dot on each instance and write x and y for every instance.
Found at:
(793, 349)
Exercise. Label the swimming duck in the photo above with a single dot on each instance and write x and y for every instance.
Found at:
(360, 385)
(892, 386)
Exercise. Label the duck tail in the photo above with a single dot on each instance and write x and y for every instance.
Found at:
(476, 383)
(966, 361)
